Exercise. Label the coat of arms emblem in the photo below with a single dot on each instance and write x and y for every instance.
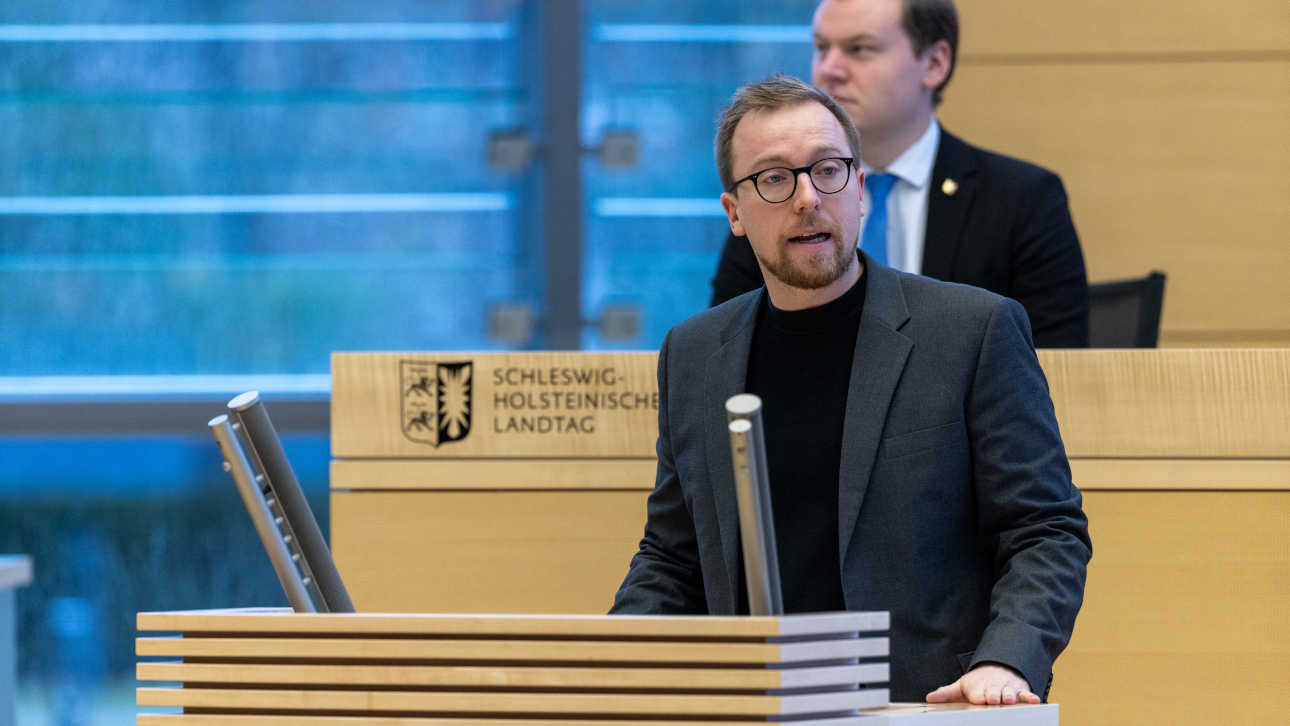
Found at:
(436, 400)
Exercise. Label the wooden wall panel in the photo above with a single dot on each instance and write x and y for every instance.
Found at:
(1186, 596)
(1183, 456)
(1110, 403)
(993, 27)
(1172, 403)
(638, 474)
(1185, 590)
(485, 552)
(1172, 166)
(592, 405)
(1181, 474)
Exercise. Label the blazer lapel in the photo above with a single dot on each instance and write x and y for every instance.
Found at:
(726, 375)
(953, 188)
(880, 355)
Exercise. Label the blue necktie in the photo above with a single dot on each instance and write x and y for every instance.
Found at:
(874, 240)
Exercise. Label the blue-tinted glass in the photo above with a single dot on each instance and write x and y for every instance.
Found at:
(192, 187)
(664, 70)
(209, 187)
(116, 526)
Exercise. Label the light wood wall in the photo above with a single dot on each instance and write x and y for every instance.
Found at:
(1167, 121)
(1183, 458)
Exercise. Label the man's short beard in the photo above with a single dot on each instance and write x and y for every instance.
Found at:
(794, 274)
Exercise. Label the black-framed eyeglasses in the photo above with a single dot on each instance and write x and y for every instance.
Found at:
(779, 184)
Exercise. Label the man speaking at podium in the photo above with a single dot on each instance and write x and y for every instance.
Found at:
(913, 454)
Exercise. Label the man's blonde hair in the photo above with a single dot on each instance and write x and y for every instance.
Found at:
(772, 94)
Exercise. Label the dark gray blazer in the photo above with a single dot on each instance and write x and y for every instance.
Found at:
(956, 507)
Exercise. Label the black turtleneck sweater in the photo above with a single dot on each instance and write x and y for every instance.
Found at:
(800, 366)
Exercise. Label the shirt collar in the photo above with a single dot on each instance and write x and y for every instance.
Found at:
(914, 165)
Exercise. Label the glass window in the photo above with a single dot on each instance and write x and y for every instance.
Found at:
(200, 198)
(225, 188)
(664, 70)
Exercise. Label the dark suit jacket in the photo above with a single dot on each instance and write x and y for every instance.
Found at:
(1007, 228)
(956, 510)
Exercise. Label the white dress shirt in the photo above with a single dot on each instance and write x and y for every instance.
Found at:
(907, 202)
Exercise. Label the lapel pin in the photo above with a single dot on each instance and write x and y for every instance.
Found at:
(949, 186)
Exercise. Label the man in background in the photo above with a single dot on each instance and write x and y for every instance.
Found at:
(936, 205)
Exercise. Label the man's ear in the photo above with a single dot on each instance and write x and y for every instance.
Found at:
(938, 64)
(731, 205)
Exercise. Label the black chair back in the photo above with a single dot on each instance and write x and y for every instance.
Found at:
(1126, 313)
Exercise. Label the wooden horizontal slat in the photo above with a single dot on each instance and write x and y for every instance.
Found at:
(913, 714)
(1118, 26)
(282, 620)
(203, 719)
(1157, 175)
(1224, 338)
(493, 475)
(508, 702)
(449, 474)
(200, 719)
(1181, 474)
(1172, 403)
(515, 677)
(465, 651)
(530, 405)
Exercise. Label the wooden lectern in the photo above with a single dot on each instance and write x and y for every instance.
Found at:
(275, 667)
(516, 482)
(1183, 457)
(481, 668)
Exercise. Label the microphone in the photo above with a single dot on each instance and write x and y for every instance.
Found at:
(752, 492)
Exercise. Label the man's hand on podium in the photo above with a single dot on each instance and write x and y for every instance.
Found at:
(986, 684)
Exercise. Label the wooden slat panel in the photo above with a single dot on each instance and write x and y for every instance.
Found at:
(371, 400)
(1159, 178)
(194, 719)
(1164, 403)
(1224, 338)
(1089, 473)
(354, 474)
(255, 621)
(506, 702)
(561, 561)
(1186, 595)
(478, 552)
(1117, 26)
(1181, 474)
(514, 676)
(591, 571)
(898, 714)
(467, 651)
